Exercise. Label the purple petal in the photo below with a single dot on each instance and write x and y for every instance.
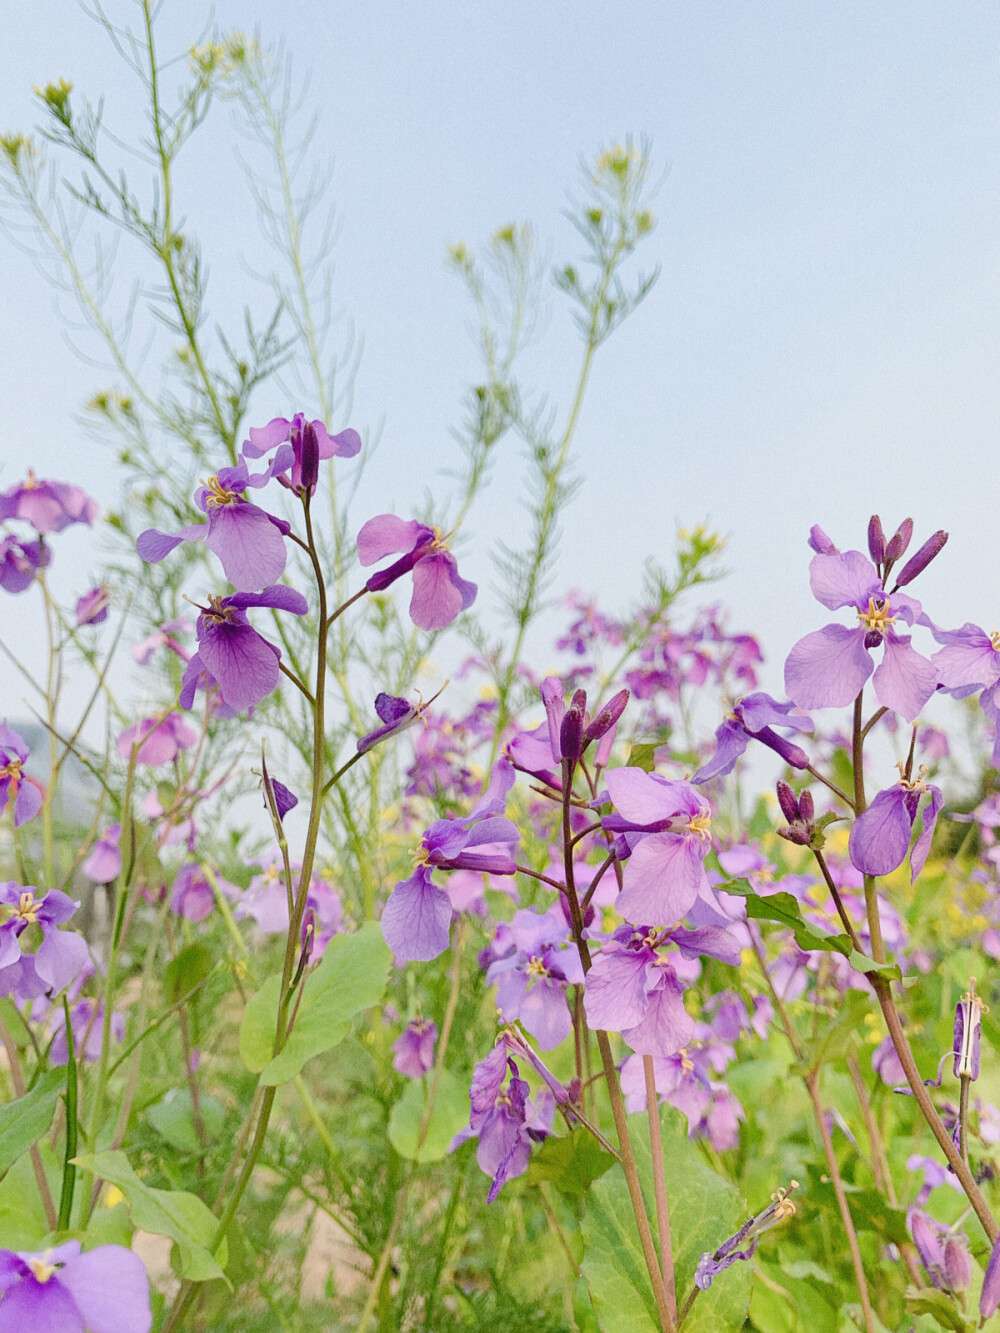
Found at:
(344, 445)
(487, 1079)
(641, 797)
(27, 802)
(111, 1290)
(990, 1297)
(60, 956)
(904, 680)
(244, 664)
(880, 835)
(279, 597)
(843, 580)
(152, 545)
(760, 710)
(416, 921)
(389, 535)
(265, 438)
(37, 1307)
(828, 668)
(615, 995)
(730, 742)
(667, 1026)
(250, 547)
(662, 879)
(711, 940)
(923, 843)
(969, 660)
(439, 592)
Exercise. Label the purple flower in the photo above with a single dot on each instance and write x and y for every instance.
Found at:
(156, 740)
(828, 668)
(533, 979)
(504, 1119)
(633, 989)
(944, 1253)
(396, 714)
(439, 592)
(62, 1290)
(416, 920)
(266, 900)
(249, 542)
(61, 953)
(92, 607)
(880, 836)
(970, 660)
(163, 637)
(49, 506)
(754, 718)
(18, 562)
(17, 790)
(105, 860)
(414, 1048)
(743, 1244)
(665, 872)
(232, 655)
(193, 896)
(309, 442)
(86, 1020)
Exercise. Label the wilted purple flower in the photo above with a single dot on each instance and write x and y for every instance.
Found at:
(309, 442)
(414, 1048)
(439, 592)
(880, 836)
(61, 953)
(533, 979)
(17, 790)
(19, 561)
(754, 718)
(105, 860)
(828, 668)
(968, 1033)
(743, 1244)
(504, 1119)
(232, 655)
(156, 740)
(61, 1290)
(163, 637)
(665, 872)
(249, 542)
(284, 799)
(92, 607)
(86, 1021)
(396, 714)
(49, 506)
(417, 918)
(943, 1252)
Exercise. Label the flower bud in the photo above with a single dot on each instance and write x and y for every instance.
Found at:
(606, 718)
(919, 562)
(310, 456)
(571, 727)
(788, 802)
(990, 1297)
(876, 539)
(899, 541)
(807, 807)
(957, 1264)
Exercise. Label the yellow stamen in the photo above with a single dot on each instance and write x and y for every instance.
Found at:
(700, 824)
(877, 616)
(912, 784)
(41, 1267)
(995, 639)
(27, 908)
(218, 496)
(536, 967)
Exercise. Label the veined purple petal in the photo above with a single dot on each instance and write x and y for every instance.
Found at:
(27, 802)
(711, 940)
(662, 879)
(250, 547)
(439, 591)
(33, 1305)
(667, 1026)
(153, 545)
(643, 798)
(615, 995)
(388, 535)
(922, 846)
(487, 1079)
(416, 921)
(847, 579)
(904, 680)
(279, 597)
(731, 741)
(970, 659)
(880, 835)
(827, 668)
(265, 438)
(110, 1288)
(60, 956)
(244, 664)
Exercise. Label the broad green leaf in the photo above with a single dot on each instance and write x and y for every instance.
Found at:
(23, 1122)
(23, 1224)
(572, 1163)
(350, 977)
(173, 1117)
(939, 1305)
(704, 1211)
(862, 963)
(784, 909)
(191, 966)
(174, 1213)
(450, 1114)
(836, 1039)
(642, 756)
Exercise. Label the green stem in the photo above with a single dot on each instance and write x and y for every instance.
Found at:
(660, 1186)
(72, 1094)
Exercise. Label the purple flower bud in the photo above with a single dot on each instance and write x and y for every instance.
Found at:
(899, 541)
(990, 1296)
(807, 807)
(919, 562)
(284, 799)
(92, 607)
(310, 456)
(957, 1264)
(787, 801)
(796, 833)
(606, 718)
(876, 539)
(571, 727)
(820, 542)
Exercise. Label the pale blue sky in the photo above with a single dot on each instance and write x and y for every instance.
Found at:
(824, 337)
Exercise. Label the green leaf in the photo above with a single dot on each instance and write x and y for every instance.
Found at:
(189, 969)
(642, 756)
(451, 1113)
(23, 1224)
(350, 977)
(704, 1211)
(23, 1122)
(862, 963)
(173, 1117)
(928, 1300)
(783, 908)
(572, 1163)
(836, 1039)
(174, 1213)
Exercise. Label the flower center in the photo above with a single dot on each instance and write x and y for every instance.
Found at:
(995, 639)
(218, 495)
(912, 784)
(877, 616)
(31, 482)
(41, 1266)
(216, 613)
(687, 1064)
(536, 967)
(27, 908)
(12, 771)
(700, 824)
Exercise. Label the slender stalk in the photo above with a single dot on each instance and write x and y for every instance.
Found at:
(660, 1186)
(72, 1094)
(837, 791)
(838, 902)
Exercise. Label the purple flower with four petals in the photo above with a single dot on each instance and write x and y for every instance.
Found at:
(61, 953)
(439, 591)
(20, 792)
(309, 442)
(62, 1290)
